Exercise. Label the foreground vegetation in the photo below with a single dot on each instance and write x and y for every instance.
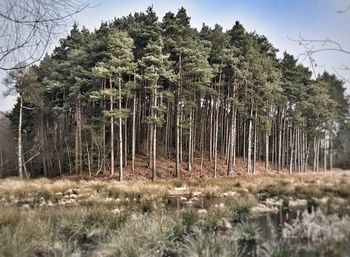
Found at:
(172, 218)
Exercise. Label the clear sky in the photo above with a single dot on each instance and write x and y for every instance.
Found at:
(278, 20)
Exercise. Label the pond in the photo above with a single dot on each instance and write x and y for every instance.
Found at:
(271, 225)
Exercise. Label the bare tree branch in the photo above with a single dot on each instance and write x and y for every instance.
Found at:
(314, 46)
(341, 76)
(27, 27)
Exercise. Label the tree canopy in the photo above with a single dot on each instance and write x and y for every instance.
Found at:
(178, 93)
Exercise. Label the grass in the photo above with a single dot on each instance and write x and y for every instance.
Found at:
(141, 218)
(333, 183)
(209, 245)
(249, 231)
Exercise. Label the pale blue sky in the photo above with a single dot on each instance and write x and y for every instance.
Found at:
(278, 20)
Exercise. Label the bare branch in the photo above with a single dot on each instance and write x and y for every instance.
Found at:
(341, 76)
(313, 46)
(27, 27)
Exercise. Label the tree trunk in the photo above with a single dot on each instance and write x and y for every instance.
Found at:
(112, 129)
(231, 151)
(249, 156)
(190, 145)
(292, 135)
(177, 168)
(103, 132)
(280, 128)
(133, 131)
(216, 128)
(330, 152)
(42, 138)
(19, 146)
(154, 136)
(255, 140)
(211, 130)
(120, 131)
(80, 136)
(267, 152)
(1, 163)
(325, 155)
(126, 139)
(244, 139)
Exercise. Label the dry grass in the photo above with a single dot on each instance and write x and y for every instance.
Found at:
(110, 218)
(309, 184)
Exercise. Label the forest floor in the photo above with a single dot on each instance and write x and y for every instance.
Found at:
(200, 169)
(266, 215)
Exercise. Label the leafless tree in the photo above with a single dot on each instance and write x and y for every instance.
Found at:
(314, 46)
(27, 27)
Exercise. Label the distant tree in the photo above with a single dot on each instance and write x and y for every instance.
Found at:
(7, 147)
(24, 83)
(213, 94)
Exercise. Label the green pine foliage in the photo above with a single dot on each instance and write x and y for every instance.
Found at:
(223, 87)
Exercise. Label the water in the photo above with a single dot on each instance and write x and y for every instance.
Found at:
(270, 230)
(271, 225)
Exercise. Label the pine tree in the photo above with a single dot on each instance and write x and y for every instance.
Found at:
(155, 66)
(118, 62)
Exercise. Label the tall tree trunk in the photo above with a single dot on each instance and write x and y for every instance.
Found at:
(325, 154)
(120, 131)
(292, 135)
(76, 147)
(126, 139)
(318, 155)
(330, 153)
(104, 148)
(307, 157)
(267, 152)
(19, 142)
(211, 130)
(315, 155)
(80, 135)
(216, 128)
(231, 151)
(43, 144)
(112, 128)
(133, 131)
(190, 145)
(280, 128)
(103, 130)
(1, 162)
(177, 168)
(154, 137)
(255, 140)
(249, 156)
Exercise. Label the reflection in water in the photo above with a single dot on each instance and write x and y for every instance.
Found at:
(270, 242)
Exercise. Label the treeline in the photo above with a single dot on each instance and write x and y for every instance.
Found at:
(164, 89)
